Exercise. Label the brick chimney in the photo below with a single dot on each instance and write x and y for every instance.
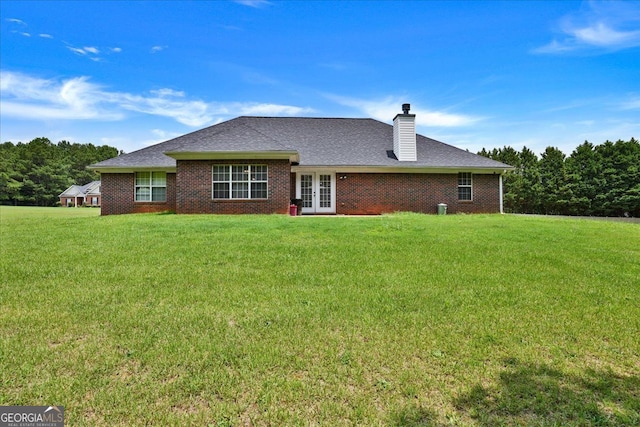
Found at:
(404, 135)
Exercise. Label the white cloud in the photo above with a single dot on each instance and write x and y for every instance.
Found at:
(271, 110)
(601, 34)
(45, 36)
(386, 109)
(84, 51)
(25, 34)
(253, 3)
(606, 27)
(166, 92)
(16, 21)
(116, 49)
(90, 52)
(27, 97)
(160, 135)
(164, 135)
(77, 50)
(156, 49)
(77, 98)
(191, 113)
(632, 104)
(112, 141)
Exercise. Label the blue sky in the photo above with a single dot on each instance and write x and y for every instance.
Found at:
(477, 74)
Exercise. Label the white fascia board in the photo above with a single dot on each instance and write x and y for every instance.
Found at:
(129, 169)
(292, 156)
(321, 169)
(395, 169)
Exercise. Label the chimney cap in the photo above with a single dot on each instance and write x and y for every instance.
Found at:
(406, 108)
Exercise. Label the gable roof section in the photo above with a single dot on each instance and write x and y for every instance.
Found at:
(313, 142)
(73, 191)
(81, 190)
(92, 188)
(238, 137)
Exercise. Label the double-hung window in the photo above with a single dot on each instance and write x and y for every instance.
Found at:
(239, 181)
(151, 186)
(465, 186)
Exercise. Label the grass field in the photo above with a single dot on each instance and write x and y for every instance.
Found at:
(401, 320)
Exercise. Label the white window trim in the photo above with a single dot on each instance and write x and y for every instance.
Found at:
(150, 187)
(231, 181)
(470, 187)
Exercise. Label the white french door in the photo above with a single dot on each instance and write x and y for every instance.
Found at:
(317, 191)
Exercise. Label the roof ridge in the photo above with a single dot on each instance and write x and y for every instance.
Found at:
(306, 118)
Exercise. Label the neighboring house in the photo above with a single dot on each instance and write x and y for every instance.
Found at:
(77, 195)
(335, 165)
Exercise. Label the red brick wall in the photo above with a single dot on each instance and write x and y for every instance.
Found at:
(292, 183)
(371, 193)
(194, 189)
(118, 195)
(63, 200)
(90, 200)
(358, 193)
(486, 195)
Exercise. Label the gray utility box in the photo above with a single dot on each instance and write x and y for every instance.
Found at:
(442, 208)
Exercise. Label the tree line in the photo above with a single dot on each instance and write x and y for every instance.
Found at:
(37, 172)
(595, 180)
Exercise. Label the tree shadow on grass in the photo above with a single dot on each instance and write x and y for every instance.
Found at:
(538, 395)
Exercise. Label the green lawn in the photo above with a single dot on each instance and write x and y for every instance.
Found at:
(400, 320)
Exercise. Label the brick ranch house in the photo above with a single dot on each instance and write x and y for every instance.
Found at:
(335, 165)
(78, 195)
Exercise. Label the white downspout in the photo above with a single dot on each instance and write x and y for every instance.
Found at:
(501, 196)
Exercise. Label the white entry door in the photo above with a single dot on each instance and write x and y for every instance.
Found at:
(317, 191)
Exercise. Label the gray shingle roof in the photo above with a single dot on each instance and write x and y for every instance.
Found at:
(319, 142)
(81, 190)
